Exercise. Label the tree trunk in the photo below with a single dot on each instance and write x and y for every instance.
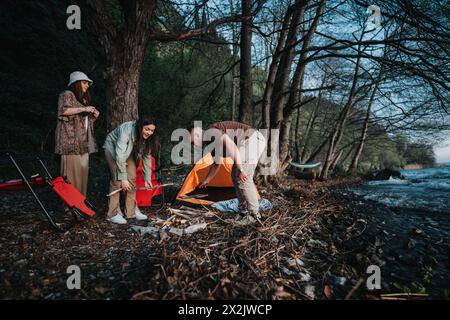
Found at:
(124, 50)
(122, 89)
(246, 88)
(280, 75)
(309, 125)
(295, 96)
(355, 161)
(350, 147)
(308, 130)
(272, 74)
(298, 148)
(336, 159)
(285, 131)
(234, 84)
(268, 91)
(314, 155)
(338, 131)
(233, 93)
(281, 82)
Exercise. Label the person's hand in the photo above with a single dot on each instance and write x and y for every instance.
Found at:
(90, 109)
(242, 176)
(125, 185)
(148, 185)
(203, 184)
(96, 113)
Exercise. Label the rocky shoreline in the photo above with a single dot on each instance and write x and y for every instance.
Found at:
(415, 166)
(411, 245)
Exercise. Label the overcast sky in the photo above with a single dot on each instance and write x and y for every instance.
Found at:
(443, 151)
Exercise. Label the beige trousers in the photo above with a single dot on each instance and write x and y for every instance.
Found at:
(250, 150)
(114, 184)
(76, 169)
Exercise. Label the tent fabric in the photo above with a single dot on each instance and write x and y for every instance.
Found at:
(144, 197)
(210, 195)
(221, 180)
(220, 187)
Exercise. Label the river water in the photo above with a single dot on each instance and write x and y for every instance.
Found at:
(426, 190)
(416, 224)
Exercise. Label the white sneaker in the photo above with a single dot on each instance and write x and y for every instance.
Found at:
(138, 215)
(118, 218)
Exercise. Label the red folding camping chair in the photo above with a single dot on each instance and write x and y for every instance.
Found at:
(144, 198)
(73, 199)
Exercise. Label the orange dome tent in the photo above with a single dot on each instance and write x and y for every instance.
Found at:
(220, 188)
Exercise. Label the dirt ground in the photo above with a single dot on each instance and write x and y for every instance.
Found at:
(315, 243)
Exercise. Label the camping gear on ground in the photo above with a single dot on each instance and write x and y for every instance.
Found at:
(232, 205)
(18, 185)
(76, 203)
(220, 188)
(310, 173)
(305, 165)
(144, 197)
(72, 198)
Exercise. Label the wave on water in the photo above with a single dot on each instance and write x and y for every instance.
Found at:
(426, 189)
(389, 181)
(435, 185)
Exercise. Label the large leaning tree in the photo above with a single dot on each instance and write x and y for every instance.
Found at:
(123, 30)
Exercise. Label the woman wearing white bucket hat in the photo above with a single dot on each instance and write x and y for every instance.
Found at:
(74, 135)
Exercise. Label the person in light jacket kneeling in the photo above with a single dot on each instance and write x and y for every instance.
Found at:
(124, 147)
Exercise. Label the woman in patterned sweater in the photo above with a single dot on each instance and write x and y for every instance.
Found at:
(74, 135)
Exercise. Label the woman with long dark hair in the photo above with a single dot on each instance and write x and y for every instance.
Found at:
(74, 134)
(124, 147)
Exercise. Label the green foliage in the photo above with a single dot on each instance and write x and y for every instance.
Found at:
(381, 150)
(184, 82)
(414, 287)
(420, 153)
(179, 82)
(38, 53)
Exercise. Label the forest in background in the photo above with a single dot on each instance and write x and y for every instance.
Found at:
(355, 98)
